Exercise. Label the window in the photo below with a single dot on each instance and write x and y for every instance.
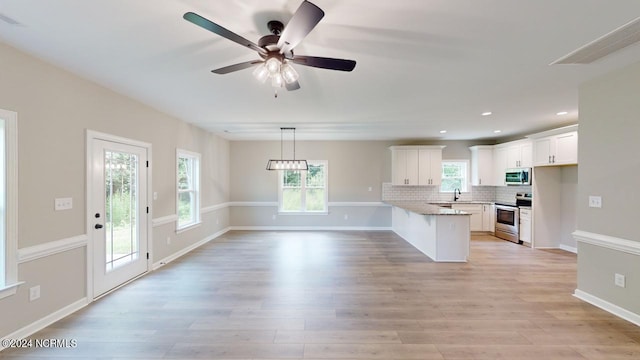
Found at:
(188, 189)
(8, 203)
(304, 191)
(455, 175)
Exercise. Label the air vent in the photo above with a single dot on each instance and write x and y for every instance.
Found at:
(617, 39)
(8, 20)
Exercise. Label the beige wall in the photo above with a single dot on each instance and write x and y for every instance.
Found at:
(610, 167)
(55, 108)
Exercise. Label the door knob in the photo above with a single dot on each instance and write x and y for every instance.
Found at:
(98, 226)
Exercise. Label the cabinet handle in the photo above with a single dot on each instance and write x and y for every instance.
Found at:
(479, 181)
(554, 159)
(549, 159)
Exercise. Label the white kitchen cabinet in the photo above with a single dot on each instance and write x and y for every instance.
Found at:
(482, 168)
(488, 218)
(560, 149)
(499, 165)
(416, 165)
(476, 214)
(405, 167)
(430, 166)
(525, 225)
(515, 154)
(519, 155)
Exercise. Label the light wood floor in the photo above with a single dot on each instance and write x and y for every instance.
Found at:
(346, 295)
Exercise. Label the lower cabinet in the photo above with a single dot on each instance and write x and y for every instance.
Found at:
(525, 225)
(482, 217)
(489, 218)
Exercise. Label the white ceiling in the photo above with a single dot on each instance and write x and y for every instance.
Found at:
(422, 65)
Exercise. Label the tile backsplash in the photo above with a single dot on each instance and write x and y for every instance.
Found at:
(432, 193)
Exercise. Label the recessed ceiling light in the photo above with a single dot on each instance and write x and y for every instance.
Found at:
(443, 131)
(562, 113)
(497, 131)
(487, 113)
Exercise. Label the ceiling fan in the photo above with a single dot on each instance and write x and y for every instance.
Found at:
(276, 50)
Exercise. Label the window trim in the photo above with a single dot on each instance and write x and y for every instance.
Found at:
(324, 211)
(467, 178)
(8, 285)
(196, 157)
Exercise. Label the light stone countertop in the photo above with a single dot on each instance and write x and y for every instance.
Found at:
(424, 208)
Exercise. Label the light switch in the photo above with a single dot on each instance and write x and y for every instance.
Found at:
(595, 201)
(63, 204)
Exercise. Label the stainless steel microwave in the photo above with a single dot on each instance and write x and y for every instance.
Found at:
(518, 176)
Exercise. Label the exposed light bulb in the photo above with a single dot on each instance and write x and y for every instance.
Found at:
(261, 73)
(276, 80)
(273, 66)
(289, 74)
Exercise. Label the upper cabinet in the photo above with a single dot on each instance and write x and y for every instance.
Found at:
(430, 166)
(405, 166)
(519, 154)
(416, 165)
(515, 154)
(559, 147)
(482, 172)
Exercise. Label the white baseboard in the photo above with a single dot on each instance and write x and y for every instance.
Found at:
(188, 249)
(607, 306)
(569, 248)
(310, 228)
(46, 321)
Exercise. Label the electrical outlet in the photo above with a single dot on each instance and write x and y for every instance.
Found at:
(346, 216)
(619, 280)
(370, 188)
(63, 204)
(168, 240)
(34, 293)
(595, 201)
(155, 195)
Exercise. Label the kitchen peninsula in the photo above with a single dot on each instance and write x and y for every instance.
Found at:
(440, 233)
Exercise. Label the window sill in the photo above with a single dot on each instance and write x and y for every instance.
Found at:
(303, 213)
(9, 290)
(188, 227)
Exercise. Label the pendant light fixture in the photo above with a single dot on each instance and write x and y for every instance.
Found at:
(284, 164)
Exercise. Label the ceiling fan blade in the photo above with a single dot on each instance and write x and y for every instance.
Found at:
(303, 21)
(293, 86)
(325, 63)
(219, 30)
(236, 67)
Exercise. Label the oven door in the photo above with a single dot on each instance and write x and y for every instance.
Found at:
(507, 223)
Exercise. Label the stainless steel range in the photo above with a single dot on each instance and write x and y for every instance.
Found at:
(508, 217)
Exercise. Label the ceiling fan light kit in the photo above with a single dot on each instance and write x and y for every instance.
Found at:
(276, 50)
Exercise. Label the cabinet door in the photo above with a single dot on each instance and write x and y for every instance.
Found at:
(412, 167)
(482, 172)
(542, 153)
(399, 167)
(488, 218)
(526, 155)
(500, 164)
(435, 167)
(430, 167)
(566, 149)
(513, 156)
(405, 167)
(525, 225)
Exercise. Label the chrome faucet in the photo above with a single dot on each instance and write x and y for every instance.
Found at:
(456, 196)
